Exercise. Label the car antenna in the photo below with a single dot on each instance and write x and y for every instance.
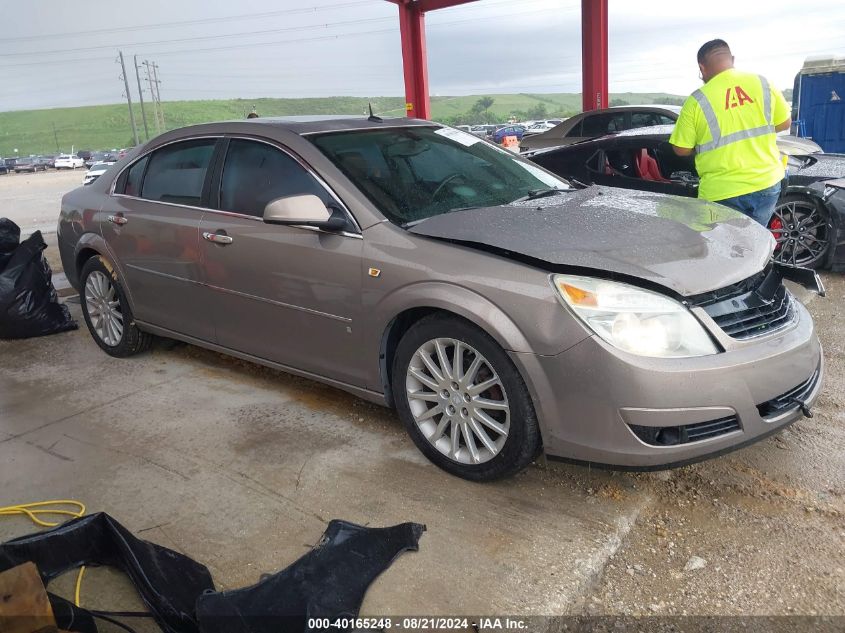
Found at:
(373, 117)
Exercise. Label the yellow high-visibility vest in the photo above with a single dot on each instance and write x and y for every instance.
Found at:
(730, 121)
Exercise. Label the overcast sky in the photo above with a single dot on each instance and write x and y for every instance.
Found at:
(57, 53)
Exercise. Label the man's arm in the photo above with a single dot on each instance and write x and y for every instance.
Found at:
(780, 110)
(780, 127)
(683, 138)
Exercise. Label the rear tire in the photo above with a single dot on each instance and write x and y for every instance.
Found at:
(107, 312)
(473, 418)
(803, 228)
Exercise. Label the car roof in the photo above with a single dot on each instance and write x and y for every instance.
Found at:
(314, 124)
(660, 132)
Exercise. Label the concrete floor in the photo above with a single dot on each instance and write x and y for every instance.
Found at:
(241, 467)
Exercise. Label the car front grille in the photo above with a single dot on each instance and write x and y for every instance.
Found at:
(791, 399)
(753, 307)
(757, 320)
(685, 433)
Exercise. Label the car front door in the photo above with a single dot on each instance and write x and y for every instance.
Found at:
(151, 223)
(288, 294)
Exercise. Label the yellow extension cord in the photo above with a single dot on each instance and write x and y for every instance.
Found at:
(33, 510)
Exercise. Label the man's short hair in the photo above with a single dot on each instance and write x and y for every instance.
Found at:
(709, 47)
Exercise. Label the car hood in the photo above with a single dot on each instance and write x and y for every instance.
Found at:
(821, 167)
(686, 245)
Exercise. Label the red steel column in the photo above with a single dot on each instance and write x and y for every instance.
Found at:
(412, 30)
(594, 54)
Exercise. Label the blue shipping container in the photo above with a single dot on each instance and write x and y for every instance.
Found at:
(819, 108)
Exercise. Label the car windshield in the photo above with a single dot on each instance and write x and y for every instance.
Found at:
(414, 173)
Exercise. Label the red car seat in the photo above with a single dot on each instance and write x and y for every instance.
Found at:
(647, 167)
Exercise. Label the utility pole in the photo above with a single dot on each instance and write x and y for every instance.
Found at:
(152, 95)
(128, 98)
(56, 136)
(158, 95)
(141, 98)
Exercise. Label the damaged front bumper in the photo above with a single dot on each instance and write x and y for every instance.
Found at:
(599, 405)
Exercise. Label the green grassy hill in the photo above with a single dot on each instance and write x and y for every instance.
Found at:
(107, 126)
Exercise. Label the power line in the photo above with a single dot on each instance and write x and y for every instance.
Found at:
(160, 25)
(202, 37)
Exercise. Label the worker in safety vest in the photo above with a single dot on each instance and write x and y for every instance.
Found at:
(730, 124)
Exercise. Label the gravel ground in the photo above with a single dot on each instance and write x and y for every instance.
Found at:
(757, 532)
(33, 200)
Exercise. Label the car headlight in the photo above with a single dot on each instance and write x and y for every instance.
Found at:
(634, 320)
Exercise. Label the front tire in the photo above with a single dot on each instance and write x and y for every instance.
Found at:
(463, 401)
(107, 312)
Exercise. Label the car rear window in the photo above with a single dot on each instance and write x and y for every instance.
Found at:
(176, 173)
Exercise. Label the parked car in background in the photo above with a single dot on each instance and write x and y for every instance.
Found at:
(809, 220)
(540, 126)
(28, 165)
(508, 130)
(46, 161)
(3, 168)
(84, 154)
(68, 161)
(501, 311)
(96, 170)
(10, 163)
(101, 157)
(596, 123)
(483, 130)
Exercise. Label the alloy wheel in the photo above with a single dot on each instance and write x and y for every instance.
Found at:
(458, 401)
(103, 307)
(801, 232)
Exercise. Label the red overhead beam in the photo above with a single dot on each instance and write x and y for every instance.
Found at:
(415, 68)
(594, 92)
(414, 65)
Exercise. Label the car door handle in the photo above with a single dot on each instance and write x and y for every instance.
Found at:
(217, 238)
(117, 219)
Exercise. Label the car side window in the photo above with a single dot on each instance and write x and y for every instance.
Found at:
(665, 120)
(176, 173)
(256, 173)
(131, 185)
(643, 119)
(575, 131)
(602, 124)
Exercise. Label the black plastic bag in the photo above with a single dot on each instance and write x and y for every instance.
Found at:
(29, 305)
(329, 582)
(168, 582)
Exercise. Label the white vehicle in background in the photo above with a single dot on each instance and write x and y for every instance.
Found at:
(68, 161)
(96, 170)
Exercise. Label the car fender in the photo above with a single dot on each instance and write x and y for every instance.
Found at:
(435, 295)
(95, 242)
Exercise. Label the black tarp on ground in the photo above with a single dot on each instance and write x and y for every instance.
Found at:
(29, 305)
(328, 582)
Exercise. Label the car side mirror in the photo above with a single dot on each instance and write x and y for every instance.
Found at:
(306, 209)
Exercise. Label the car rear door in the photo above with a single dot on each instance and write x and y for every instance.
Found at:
(288, 294)
(151, 223)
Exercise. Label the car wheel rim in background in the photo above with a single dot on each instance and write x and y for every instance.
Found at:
(103, 308)
(458, 401)
(801, 233)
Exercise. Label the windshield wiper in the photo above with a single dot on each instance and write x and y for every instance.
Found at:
(540, 193)
(408, 225)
